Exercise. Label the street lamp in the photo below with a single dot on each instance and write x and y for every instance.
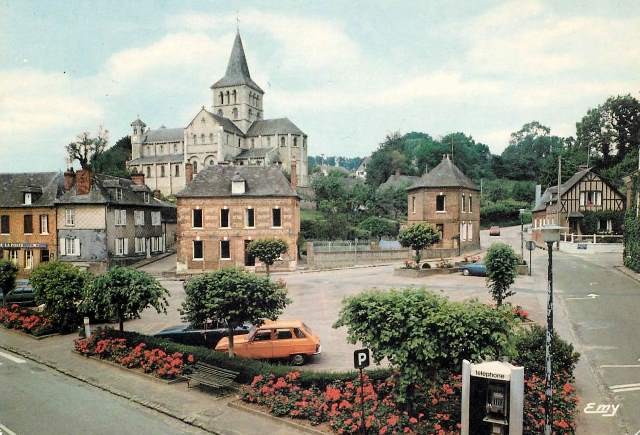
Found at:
(522, 210)
(551, 235)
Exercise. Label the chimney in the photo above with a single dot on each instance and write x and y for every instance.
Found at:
(188, 171)
(157, 194)
(69, 179)
(294, 174)
(138, 178)
(83, 181)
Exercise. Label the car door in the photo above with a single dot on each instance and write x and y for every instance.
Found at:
(261, 345)
(284, 343)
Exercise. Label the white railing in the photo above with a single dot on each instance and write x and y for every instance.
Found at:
(592, 238)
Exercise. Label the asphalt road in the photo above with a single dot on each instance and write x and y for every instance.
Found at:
(37, 400)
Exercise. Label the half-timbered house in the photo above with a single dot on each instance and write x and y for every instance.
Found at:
(584, 192)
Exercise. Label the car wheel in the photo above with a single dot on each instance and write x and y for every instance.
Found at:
(297, 360)
(465, 272)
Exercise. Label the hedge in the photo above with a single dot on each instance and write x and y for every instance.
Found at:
(632, 231)
(247, 368)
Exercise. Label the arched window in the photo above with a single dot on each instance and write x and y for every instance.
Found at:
(221, 97)
(295, 141)
(253, 142)
(219, 112)
(211, 137)
(195, 167)
(282, 141)
(161, 149)
(195, 139)
(202, 137)
(250, 114)
(148, 171)
(162, 174)
(227, 139)
(235, 113)
(235, 97)
(202, 120)
(238, 142)
(269, 140)
(228, 101)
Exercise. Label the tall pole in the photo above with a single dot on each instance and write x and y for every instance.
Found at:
(521, 236)
(364, 428)
(558, 204)
(548, 387)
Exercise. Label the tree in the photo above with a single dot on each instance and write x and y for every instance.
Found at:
(60, 287)
(123, 293)
(420, 332)
(379, 227)
(418, 237)
(87, 149)
(233, 296)
(267, 250)
(8, 272)
(113, 160)
(501, 263)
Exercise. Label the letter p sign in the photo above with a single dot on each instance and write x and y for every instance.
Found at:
(361, 358)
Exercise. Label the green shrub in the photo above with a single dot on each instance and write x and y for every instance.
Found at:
(501, 262)
(8, 272)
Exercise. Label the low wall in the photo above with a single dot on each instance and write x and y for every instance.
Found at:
(591, 248)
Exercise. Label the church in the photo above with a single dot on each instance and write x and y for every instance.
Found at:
(233, 132)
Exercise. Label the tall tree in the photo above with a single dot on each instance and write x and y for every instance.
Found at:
(267, 250)
(87, 149)
(501, 262)
(233, 297)
(418, 237)
(113, 160)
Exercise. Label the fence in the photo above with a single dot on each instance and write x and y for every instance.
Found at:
(592, 238)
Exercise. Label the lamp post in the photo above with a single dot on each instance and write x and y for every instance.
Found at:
(551, 235)
(522, 210)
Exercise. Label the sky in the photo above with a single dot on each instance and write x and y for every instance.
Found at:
(346, 72)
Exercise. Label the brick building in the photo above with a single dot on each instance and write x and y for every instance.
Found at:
(28, 218)
(105, 221)
(224, 208)
(447, 199)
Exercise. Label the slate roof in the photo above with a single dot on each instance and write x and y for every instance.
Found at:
(101, 194)
(13, 185)
(215, 181)
(267, 127)
(164, 135)
(445, 174)
(400, 181)
(253, 153)
(550, 195)
(237, 69)
(226, 124)
(162, 158)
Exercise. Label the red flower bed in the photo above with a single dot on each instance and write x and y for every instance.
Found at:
(154, 361)
(436, 408)
(14, 317)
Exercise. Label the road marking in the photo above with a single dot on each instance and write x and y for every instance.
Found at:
(618, 366)
(5, 430)
(605, 409)
(623, 388)
(10, 357)
(589, 296)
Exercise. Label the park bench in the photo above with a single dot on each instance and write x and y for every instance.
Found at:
(212, 376)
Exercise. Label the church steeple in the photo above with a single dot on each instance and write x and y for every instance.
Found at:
(236, 96)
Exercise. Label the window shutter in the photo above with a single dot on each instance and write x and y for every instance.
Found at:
(126, 246)
(61, 246)
(76, 246)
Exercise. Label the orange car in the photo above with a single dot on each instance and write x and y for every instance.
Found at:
(278, 339)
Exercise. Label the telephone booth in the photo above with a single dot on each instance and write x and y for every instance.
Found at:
(492, 398)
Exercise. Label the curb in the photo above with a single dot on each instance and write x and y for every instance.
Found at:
(238, 404)
(147, 404)
(630, 273)
(31, 336)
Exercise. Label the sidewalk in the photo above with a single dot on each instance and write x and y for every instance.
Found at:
(192, 406)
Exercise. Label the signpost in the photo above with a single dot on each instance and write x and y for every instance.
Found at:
(361, 360)
(531, 245)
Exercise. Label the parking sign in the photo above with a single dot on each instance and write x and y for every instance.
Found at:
(361, 358)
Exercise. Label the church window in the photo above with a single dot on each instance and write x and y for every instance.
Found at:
(238, 142)
(295, 141)
(228, 101)
(219, 112)
(211, 137)
(235, 96)
(175, 148)
(195, 167)
(253, 142)
(269, 140)
(162, 174)
(161, 149)
(195, 139)
(202, 137)
(202, 120)
(250, 114)
(282, 141)
(235, 113)
(148, 150)
(148, 171)
(221, 98)
(227, 139)
(177, 171)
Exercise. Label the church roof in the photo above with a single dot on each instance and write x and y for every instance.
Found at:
(14, 185)
(138, 121)
(227, 124)
(445, 174)
(268, 127)
(164, 135)
(161, 158)
(215, 181)
(237, 69)
(254, 153)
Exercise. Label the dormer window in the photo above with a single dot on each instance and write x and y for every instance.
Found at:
(145, 196)
(237, 184)
(118, 194)
(27, 198)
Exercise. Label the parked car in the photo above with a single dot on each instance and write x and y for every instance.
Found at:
(475, 269)
(205, 335)
(494, 230)
(280, 339)
(22, 295)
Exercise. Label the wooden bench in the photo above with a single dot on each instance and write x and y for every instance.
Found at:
(211, 376)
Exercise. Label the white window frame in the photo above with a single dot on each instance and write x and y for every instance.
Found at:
(118, 194)
(28, 259)
(145, 197)
(272, 220)
(225, 258)
(27, 198)
(228, 217)
(44, 224)
(247, 217)
(470, 231)
(70, 246)
(156, 218)
(138, 217)
(469, 208)
(193, 250)
(413, 204)
(121, 247)
(464, 206)
(139, 245)
(70, 217)
(120, 217)
(13, 256)
(444, 203)
(463, 231)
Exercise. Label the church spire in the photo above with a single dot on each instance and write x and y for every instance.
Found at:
(237, 68)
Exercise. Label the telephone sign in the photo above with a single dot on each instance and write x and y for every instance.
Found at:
(361, 358)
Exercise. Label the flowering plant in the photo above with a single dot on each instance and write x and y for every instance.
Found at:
(14, 317)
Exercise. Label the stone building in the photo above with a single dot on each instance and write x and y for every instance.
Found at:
(447, 199)
(28, 218)
(232, 132)
(584, 192)
(224, 208)
(104, 221)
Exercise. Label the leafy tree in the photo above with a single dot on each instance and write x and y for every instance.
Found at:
(529, 346)
(8, 272)
(60, 287)
(420, 332)
(418, 237)
(501, 264)
(113, 160)
(124, 292)
(267, 250)
(379, 227)
(87, 149)
(233, 296)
